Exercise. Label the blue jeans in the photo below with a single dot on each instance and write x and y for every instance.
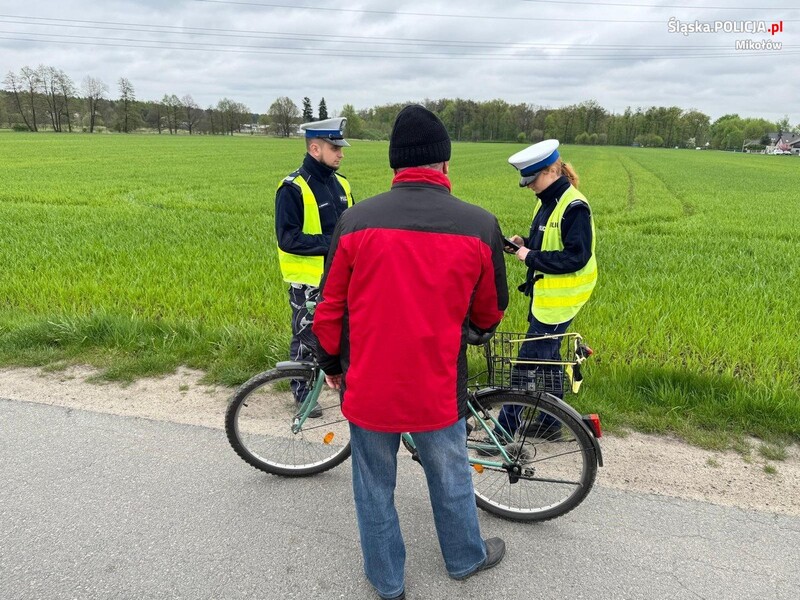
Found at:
(444, 458)
(549, 349)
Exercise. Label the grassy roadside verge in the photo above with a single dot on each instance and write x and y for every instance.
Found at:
(712, 411)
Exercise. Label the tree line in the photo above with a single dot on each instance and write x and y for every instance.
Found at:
(583, 123)
(47, 98)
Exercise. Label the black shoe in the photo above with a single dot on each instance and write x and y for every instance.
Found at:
(402, 596)
(315, 413)
(495, 551)
(550, 432)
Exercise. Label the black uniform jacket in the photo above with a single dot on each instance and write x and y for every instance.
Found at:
(289, 213)
(576, 234)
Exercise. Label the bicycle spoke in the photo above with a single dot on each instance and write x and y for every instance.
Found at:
(561, 481)
(578, 451)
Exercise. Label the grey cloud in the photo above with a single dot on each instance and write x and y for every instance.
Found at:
(543, 75)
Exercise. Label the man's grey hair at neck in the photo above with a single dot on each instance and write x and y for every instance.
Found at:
(435, 166)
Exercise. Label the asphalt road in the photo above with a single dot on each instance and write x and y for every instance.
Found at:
(96, 506)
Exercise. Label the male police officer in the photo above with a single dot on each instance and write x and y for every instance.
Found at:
(308, 204)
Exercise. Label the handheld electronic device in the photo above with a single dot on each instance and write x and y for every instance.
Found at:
(510, 246)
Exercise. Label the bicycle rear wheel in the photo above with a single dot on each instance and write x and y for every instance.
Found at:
(259, 422)
(554, 463)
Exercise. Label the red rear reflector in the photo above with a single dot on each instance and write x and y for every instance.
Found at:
(593, 421)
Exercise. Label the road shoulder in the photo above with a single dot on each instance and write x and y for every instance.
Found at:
(637, 462)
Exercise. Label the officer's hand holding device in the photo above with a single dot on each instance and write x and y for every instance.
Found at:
(509, 246)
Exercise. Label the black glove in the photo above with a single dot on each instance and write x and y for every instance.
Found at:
(478, 337)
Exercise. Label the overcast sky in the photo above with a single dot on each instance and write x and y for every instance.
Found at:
(550, 53)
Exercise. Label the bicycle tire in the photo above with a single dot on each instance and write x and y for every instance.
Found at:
(557, 471)
(259, 418)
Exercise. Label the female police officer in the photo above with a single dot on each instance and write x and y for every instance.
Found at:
(559, 253)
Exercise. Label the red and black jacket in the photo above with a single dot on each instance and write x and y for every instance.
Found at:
(407, 272)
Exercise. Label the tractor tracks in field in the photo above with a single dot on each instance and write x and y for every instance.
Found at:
(687, 206)
(631, 185)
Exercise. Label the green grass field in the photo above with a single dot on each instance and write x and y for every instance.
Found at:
(137, 254)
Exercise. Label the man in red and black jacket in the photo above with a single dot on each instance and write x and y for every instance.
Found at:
(408, 273)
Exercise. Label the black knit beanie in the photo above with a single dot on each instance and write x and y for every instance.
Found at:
(418, 138)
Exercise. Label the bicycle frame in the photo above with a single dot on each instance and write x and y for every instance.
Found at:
(319, 380)
(490, 433)
(311, 398)
(489, 427)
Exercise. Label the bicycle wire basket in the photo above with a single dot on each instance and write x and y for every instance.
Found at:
(505, 368)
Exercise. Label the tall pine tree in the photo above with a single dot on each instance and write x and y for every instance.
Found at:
(308, 112)
(323, 110)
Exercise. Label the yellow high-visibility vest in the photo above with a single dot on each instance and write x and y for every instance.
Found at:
(307, 269)
(558, 298)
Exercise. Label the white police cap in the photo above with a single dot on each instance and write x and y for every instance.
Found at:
(530, 161)
(330, 130)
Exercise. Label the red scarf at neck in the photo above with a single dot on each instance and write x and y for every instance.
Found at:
(422, 175)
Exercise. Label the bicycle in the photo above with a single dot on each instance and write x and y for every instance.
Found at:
(536, 465)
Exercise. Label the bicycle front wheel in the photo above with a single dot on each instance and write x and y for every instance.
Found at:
(260, 418)
(553, 462)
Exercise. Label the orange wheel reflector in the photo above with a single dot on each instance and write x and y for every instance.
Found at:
(328, 438)
(478, 468)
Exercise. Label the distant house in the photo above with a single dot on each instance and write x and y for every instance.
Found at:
(253, 128)
(783, 143)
